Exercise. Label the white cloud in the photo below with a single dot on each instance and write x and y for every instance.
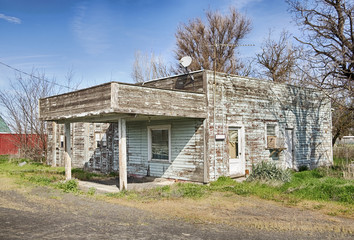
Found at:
(244, 3)
(238, 4)
(90, 29)
(10, 19)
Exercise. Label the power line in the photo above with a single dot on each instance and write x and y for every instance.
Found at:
(33, 76)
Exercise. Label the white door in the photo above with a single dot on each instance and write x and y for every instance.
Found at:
(237, 164)
(289, 145)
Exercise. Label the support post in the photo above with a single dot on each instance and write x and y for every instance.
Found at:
(67, 151)
(54, 145)
(123, 179)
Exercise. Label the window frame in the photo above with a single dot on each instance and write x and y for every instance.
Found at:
(159, 127)
(266, 131)
(239, 141)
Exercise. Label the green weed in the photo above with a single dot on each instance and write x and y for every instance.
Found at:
(41, 180)
(189, 190)
(91, 191)
(265, 171)
(83, 175)
(68, 186)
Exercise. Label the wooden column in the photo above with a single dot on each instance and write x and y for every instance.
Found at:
(54, 145)
(123, 179)
(67, 151)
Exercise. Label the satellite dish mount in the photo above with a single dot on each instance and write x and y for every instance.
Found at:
(185, 62)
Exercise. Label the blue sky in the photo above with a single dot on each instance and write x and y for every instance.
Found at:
(97, 39)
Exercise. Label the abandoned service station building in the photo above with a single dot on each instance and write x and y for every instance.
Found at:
(195, 127)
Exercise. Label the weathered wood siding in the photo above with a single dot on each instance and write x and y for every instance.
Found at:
(253, 103)
(186, 156)
(90, 101)
(186, 145)
(85, 152)
(159, 102)
(95, 103)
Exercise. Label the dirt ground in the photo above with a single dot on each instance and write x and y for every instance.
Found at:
(45, 213)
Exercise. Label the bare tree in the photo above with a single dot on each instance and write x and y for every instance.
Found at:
(278, 58)
(329, 35)
(148, 66)
(342, 121)
(21, 112)
(213, 42)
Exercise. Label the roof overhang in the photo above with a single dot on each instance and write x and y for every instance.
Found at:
(110, 101)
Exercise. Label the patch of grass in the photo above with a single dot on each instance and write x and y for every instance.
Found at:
(68, 186)
(180, 190)
(189, 190)
(322, 184)
(4, 159)
(91, 191)
(41, 180)
(324, 189)
(83, 175)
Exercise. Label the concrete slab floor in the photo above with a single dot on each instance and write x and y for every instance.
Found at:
(110, 187)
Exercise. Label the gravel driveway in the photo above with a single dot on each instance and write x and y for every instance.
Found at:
(45, 213)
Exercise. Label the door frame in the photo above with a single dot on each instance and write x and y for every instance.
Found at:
(241, 135)
(292, 146)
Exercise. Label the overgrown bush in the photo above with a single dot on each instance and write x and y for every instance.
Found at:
(266, 171)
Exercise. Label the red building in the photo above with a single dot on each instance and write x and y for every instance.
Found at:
(8, 143)
(11, 143)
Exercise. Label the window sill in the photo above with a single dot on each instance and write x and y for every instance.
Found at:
(159, 161)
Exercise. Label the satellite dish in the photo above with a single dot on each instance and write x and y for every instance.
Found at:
(185, 61)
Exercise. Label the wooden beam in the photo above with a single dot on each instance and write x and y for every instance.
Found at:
(123, 179)
(67, 151)
(54, 145)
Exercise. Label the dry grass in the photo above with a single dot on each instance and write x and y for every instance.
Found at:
(343, 158)
(248, 211)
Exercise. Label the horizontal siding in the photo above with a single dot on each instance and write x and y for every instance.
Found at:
(253, 103)
(74, 104)
(186, 150)
(159, 102)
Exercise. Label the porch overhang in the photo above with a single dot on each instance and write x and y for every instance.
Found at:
(110, 101)
(118, 102)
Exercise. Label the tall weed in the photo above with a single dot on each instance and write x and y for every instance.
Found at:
(268, 171)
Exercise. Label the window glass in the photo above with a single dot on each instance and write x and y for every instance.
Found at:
(233, 143)
(98, 140)
(159, 144)
(271, 136)
(62, 141)
(270, 130)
